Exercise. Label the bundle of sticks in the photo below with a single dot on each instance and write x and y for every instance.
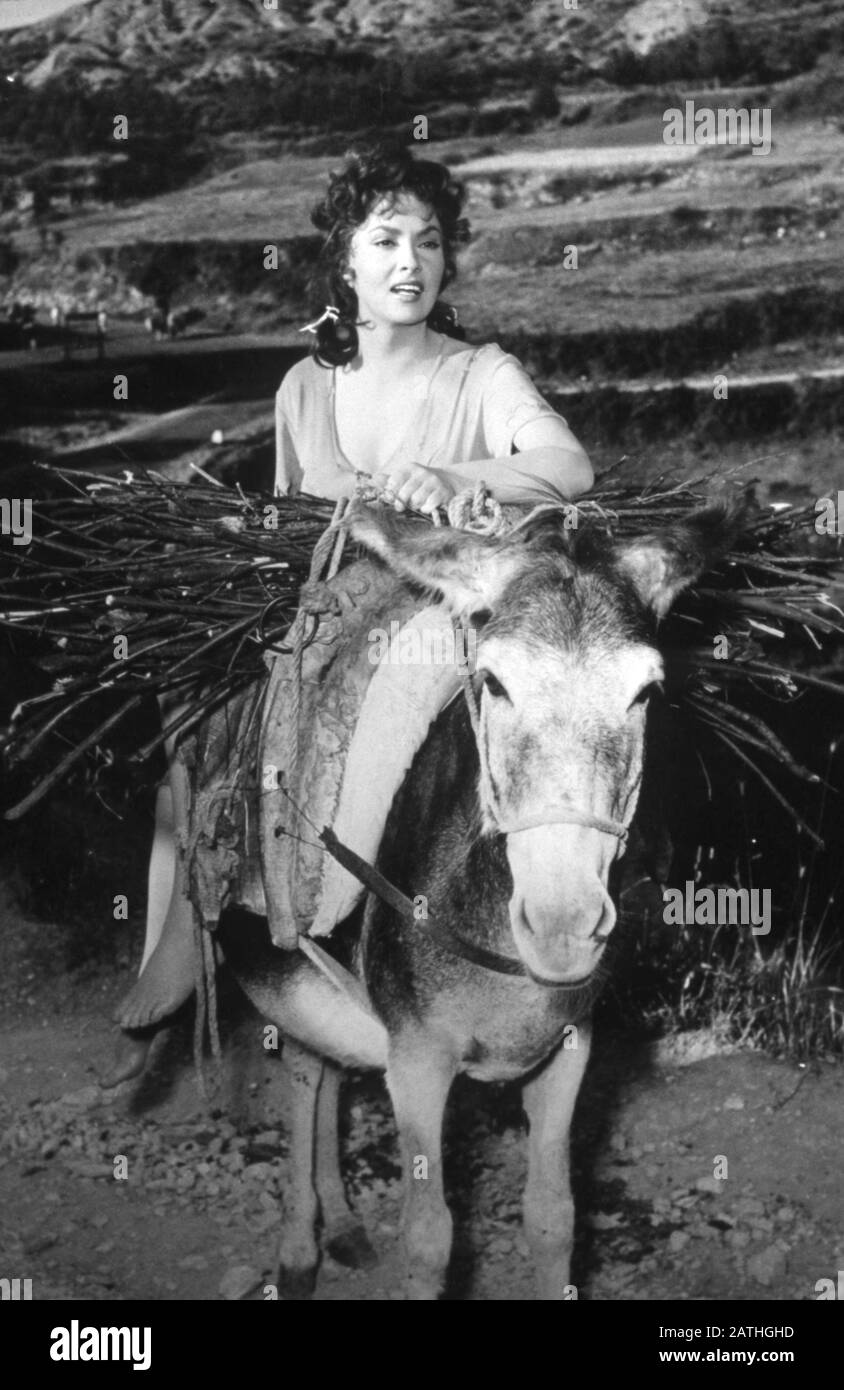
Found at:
(139, 586)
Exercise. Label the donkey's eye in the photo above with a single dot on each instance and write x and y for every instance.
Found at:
(494, 687)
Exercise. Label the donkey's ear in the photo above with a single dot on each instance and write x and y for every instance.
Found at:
(660, 566)
(470, 572)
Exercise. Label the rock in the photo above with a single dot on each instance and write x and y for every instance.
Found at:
(37, 1241)
(605, 1220)
(84, 1099)
(238, 1282)
(271, 1138)
(678, 1240)
(193, 1262)
(265, 1221)
(651, 23)
(714, 1185)
(224, 1217)
(767, 1265)
(762, 1225)
(87, 1168)
(707, 1231)
(749, 1206)
(734, 1103)
(260, 1172)
(785, 1215)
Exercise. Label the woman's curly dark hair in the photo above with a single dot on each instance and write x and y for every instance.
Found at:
(384, 171)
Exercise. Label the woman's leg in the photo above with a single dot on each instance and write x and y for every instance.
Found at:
(162, 870)
(166, 977)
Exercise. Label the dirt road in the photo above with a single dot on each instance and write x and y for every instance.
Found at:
(192, 1210)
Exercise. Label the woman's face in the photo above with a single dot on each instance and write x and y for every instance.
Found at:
(396, 263)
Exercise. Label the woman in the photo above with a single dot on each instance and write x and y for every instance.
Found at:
(387, 393)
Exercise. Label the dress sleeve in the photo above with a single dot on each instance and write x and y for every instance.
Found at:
(510, 401)
(288, 468)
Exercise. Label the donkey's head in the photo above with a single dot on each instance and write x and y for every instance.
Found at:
(566, 660)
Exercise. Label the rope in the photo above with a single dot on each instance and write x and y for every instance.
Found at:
(474, 714)
(209, 965)
(201, 1003)
(205, 984)
(475, 510)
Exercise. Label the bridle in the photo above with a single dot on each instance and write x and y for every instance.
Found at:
(562, 814)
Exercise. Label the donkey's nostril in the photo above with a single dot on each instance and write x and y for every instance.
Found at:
(524, 921)
(605, 924)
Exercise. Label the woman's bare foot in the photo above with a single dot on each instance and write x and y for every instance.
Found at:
(130, 1057)
(167, 979)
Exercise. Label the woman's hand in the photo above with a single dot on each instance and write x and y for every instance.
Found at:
(414, 486)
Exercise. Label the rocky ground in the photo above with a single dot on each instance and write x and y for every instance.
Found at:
(700, 1173)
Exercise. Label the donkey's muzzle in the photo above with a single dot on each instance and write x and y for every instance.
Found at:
(562, 943)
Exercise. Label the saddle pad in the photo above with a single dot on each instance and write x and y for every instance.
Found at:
(364, 711)
(222, 848)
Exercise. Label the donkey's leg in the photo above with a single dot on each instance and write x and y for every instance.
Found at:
(419, 1079)
(548, 1207)
(344, 1237)
(298, 1254)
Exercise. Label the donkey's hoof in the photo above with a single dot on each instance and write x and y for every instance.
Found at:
(352, 1248)
(296, 1284)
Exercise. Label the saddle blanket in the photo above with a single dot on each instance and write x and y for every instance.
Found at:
(368, 694)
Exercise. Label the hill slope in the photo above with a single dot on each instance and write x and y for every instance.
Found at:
(179, 43)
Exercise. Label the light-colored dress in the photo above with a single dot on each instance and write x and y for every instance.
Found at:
(469, 406)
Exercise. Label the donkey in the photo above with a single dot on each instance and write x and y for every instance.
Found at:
(514, 811)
